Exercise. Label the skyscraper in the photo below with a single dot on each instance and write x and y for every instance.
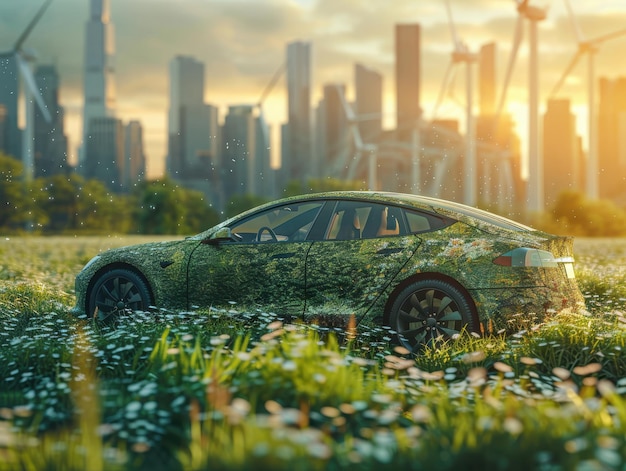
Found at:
(238, 166)
(264, 174)
(105, 152)
(612, 139)
(99, 77)
(407, 79)
(369, 102)
(134, 169)
(297, 151)
(50, 138)
(189, 124)
(490, 171)
(335, 145)
(561, 149)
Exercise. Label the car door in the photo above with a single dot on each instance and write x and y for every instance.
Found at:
(262, 265)
(363, 248)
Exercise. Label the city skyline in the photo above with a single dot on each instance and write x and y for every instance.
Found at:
(242, 47)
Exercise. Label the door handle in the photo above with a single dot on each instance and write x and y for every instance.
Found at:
(389, 251)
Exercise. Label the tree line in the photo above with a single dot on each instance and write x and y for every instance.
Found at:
(575, 214)
(71, 204)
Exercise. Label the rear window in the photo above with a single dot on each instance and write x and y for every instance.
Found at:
(422, 222)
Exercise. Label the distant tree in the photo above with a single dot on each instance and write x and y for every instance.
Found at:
(102, 211)
(198, 215)
(72, 204)
(240, 203)
(58, 196)
(157, 210)
(18, 204)
(574, 214)
(12, 195)
(295, 187)
(166, 208)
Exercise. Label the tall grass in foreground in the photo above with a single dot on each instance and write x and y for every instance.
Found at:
(292, 401)
(239, 389)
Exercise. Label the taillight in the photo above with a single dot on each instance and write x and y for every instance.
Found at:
(527, 257)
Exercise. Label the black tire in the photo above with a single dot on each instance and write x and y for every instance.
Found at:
(117, 292)
(428, 310)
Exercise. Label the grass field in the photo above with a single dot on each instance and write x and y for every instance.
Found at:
(239, 389)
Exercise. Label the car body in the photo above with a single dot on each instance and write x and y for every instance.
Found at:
(423, 266)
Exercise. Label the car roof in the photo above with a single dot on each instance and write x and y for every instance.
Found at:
(461, 212)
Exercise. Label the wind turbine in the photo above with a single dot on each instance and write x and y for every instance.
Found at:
(361, 147)
(589, 47)
(264, 127)
(17, 58)
(462, 55)
(268, 88)
(535, 163)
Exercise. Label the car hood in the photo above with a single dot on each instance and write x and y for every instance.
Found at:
(147, 257)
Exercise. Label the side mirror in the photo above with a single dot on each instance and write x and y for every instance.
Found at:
(222, 235)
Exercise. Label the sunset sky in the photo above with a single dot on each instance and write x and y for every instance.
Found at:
(242, 43)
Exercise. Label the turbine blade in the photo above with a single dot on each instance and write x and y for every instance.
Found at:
(579, 35)
(455, 37)
(567, 71)
(517, 39)
(31, 25)
(606, 37)
(270, 85)
(29, 79)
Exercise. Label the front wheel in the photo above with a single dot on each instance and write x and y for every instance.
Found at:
(117, 292)
(428, 310)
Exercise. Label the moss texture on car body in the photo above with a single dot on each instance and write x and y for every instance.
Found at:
(163, 264)
(333, 278)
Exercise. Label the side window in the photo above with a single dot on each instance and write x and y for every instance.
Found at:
(417, 222)
(287, 223)
(424, 222)
(361, 220)
(345, 223)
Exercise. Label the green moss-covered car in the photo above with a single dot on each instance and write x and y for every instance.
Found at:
(425, 267)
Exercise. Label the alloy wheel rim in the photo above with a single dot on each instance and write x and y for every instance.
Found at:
(426, 316)
(116, 295)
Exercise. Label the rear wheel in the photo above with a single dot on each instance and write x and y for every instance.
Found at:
(430, 310)
(117, 292)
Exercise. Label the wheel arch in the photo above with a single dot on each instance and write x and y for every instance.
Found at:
(430, 276)
(115, 266)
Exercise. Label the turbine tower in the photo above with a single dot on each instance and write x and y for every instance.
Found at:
(461, 54)
(589, 47)
(10, 61)
(535, 162)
